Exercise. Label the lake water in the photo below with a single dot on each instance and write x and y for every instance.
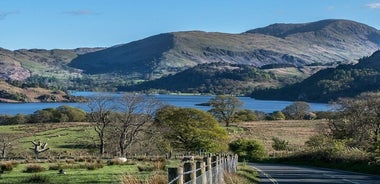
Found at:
(266, 106)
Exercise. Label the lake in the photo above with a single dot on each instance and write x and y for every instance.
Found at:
(266, 106)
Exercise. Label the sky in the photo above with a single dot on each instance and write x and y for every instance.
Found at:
(68, 24)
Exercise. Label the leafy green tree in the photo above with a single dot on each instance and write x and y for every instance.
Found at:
(72, 114)
(224, 108)
(42, 116)
(296, 110)
(277, 115)
(245, 115)
(247, 149)
(190, 129)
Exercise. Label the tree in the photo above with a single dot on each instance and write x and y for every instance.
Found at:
(135, 112)
(358, 120)
(224, 108)
(6, 140)
(245, 115)
(190, 129)
(72, 114)
(296, 110)
(39, 147)
(100, 117)
(277, 115)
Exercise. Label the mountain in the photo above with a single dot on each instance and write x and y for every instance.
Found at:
(332, 83)
(22, 64)
(326, 41)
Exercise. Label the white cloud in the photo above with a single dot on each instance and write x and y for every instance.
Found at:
(373, 5)
(80, 12)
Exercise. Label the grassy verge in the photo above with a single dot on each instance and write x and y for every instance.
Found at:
(318, 160)
(244, 175)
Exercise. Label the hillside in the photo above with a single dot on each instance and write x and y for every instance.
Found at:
(22, 64)
(332, 83)
(13, 94)
(326, 41)
(222, 78)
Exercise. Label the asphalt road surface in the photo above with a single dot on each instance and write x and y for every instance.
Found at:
(285, 174)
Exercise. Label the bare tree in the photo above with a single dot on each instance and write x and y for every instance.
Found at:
(6, 140)
(39, 147)
(100, 116)
(135, 114)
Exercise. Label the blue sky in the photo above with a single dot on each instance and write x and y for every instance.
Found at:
(49, 24)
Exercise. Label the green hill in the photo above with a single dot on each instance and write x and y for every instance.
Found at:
(332, 83)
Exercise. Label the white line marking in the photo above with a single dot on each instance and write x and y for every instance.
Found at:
(274, 181)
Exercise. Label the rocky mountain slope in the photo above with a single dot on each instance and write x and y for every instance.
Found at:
(326, 41)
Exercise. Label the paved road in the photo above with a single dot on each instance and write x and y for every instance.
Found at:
(284, 174)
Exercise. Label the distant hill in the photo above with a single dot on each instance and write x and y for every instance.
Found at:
(22, 64)
(13, 94)
(222, 78)
(332, 83)
(326, 41)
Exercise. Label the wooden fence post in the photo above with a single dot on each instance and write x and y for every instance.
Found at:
(203, 172)
(209, 168)
(189, 167)
(173, 173)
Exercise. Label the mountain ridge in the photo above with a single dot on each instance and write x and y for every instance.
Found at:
(322, 41)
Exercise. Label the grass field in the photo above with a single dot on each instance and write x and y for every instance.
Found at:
(296, 132)
(76, 139)
(76, 172)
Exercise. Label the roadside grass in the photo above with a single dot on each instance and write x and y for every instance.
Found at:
(244, 175)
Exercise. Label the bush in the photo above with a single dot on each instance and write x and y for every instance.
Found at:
(249, 150)
(96, 165)
(33, 168)
(279, 144)
(146, 167)
(6, 166)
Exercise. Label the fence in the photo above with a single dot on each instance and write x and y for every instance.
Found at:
(208, 170)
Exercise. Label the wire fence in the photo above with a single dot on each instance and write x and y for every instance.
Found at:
(209, 170)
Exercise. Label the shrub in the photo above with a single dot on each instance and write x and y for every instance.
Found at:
(249, 150)
(146, 167)
(32, 168)
(55, 167)
(37, 179)
(279, 144)
(6, 166)
(93, 166)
